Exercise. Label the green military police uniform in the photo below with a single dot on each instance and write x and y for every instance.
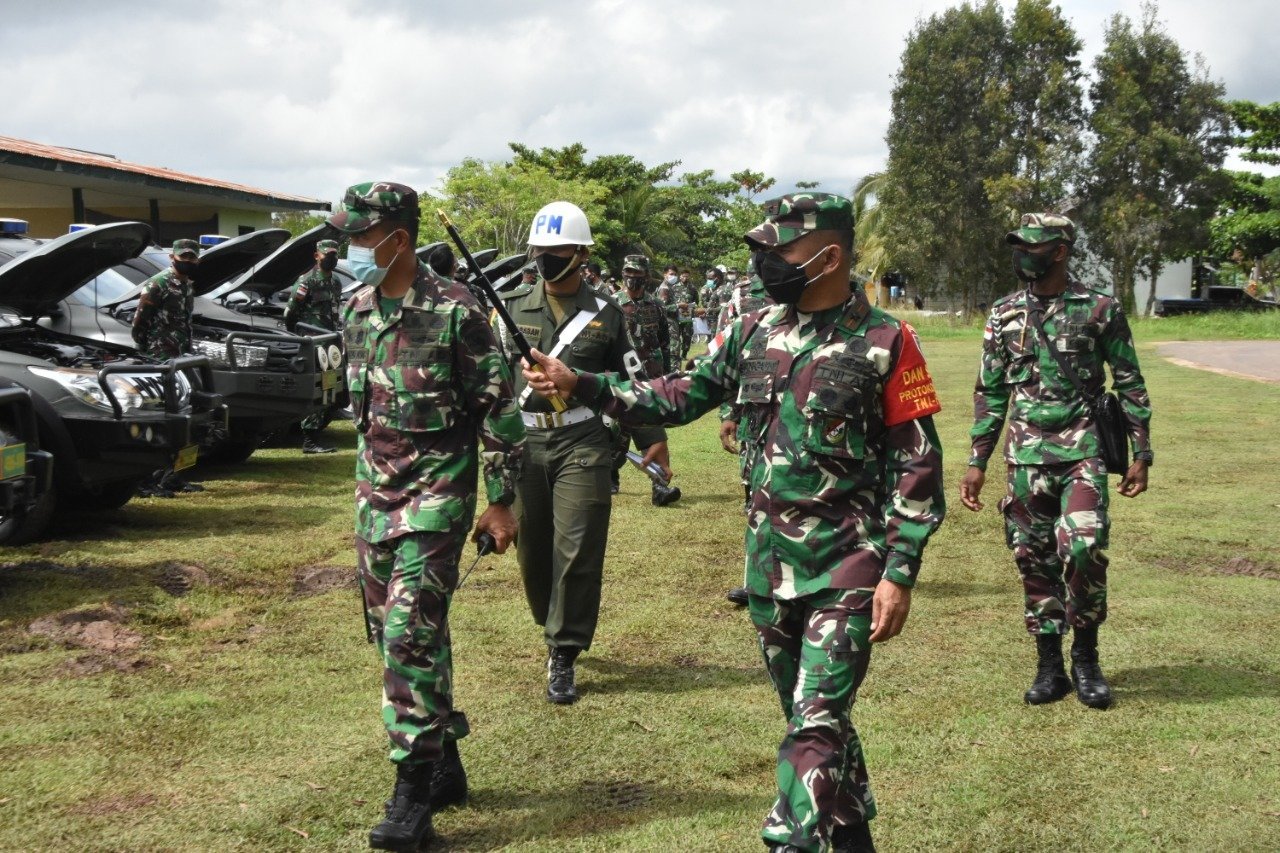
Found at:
(564, 501)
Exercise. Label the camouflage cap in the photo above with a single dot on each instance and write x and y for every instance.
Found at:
(639, 263)
(327, 246)
(365, 205)
(1037, 228)
(186, 247)
(791, 216)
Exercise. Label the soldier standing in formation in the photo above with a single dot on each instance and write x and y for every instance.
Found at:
(564, 488)
(686, 297)
(648, 329)
(846, 488)
(1056, 505)
(162, 330)
(316, 299)
(429, 391)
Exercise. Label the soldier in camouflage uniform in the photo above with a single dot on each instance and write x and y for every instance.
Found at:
(564, 490)
(686, 299)
(431, 397)
(647, 325)
(316, 299)
(846, 488)
(724, 300)
(162, 323)
(665, 295)
(162, 330)
(1056, 505)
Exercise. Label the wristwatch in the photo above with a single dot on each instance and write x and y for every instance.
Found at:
(1144, 456)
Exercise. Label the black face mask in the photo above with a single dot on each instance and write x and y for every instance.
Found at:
(784, 281)
(1032, 266)
(186, 268)
(553, 267)
(329, 262)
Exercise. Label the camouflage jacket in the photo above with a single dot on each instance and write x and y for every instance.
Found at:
(843, 461)
(162, 323)
(428, 389)
(603, 346)
(316, 299)
(751, 296)
(648, 330)
(1049, 421)
(684, 293)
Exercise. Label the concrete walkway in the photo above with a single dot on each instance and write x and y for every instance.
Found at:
(1259, 360)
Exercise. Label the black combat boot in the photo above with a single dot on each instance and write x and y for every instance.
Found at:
(854, 838)
(665, 495)
(311, 443)
(738, 595)
(408, 821)
(1051, 682)
(1091, 685)
(449, 779)
(615, 482)
(560, 687)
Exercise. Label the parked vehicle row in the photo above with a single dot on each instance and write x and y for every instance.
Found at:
(90, 415)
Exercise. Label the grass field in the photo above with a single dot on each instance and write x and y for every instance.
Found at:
(226, 699)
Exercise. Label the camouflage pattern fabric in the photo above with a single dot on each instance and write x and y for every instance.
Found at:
(162, 322)
(649, 331)
(723, 303)
(1036, 228)
(365, 205)
(845, 463)
(425, 380)
(1056, 518)
(816, 650)
(316, 299)
(845, 478)
(684, 294)
(407, 584)
(1049, 422)
(791, 216)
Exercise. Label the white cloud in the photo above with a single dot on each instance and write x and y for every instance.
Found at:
(306, 97)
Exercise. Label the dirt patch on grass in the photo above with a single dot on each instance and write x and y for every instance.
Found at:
(82, 666)
(178, 579)
(99, 629)
(1237, 565)
(316, 580)
(1240, 565)
(112, 804)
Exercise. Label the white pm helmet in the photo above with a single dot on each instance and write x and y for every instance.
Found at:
(560, 223)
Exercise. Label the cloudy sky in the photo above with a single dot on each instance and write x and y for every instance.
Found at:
(307, 97)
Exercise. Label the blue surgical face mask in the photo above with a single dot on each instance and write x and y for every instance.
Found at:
(364, 267)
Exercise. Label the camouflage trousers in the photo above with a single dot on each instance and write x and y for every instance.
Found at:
(407, 583)
(817, 650)
(685, 341)
(1056, 523)
(317, 421)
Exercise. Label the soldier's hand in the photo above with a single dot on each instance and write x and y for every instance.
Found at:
(659, 453)
(500, 523)
(971, 487)
(1135, 480)
(554, 378)
(889, 608)
(729, 429)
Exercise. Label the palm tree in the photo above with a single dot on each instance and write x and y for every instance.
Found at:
(868, 232)
(645, 217)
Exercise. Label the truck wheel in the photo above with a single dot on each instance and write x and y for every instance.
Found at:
(233, 451)
(26, 525)
(110, 496)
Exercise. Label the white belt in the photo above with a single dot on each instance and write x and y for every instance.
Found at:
(552, 420)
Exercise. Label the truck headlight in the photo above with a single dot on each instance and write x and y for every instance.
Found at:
(133, 391)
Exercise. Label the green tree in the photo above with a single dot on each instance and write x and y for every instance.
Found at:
(493, 203)
(1160, 135)
(873, 258)
(948, 138)
(1046, 109)
(296, 222)
(1247, 225)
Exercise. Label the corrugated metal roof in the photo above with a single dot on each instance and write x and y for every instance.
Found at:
(107, 161)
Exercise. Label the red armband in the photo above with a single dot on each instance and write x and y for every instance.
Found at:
(909, 393)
